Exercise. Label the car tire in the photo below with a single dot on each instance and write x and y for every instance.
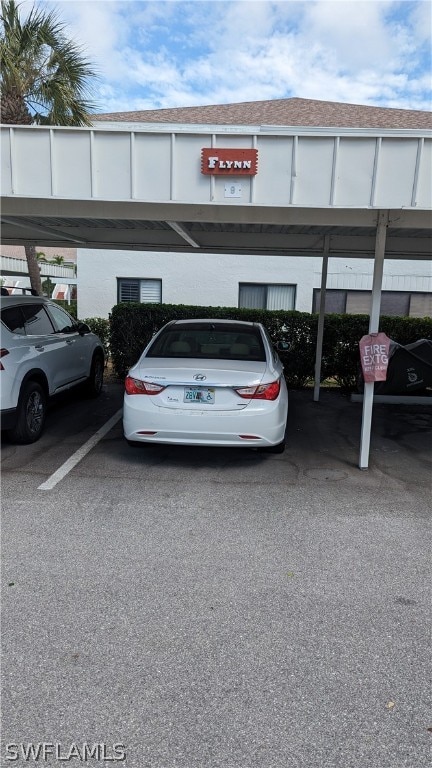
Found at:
(94, 383)
(31, 413)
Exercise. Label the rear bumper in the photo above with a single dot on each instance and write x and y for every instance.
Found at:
(264, 426)
(8, 418)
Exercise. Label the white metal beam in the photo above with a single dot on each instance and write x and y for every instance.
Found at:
(182, 232)
(381, 233)
(320, 335)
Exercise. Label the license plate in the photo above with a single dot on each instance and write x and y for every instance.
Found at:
(199, 395)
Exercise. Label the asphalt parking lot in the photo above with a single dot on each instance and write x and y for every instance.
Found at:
(212, 608)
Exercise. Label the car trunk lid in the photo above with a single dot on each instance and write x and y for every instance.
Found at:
(201, 386)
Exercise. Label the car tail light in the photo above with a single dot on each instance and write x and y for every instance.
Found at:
(261, 392)
(138, 387)
(3, 352)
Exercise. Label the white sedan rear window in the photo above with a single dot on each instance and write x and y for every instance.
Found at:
(211, 342)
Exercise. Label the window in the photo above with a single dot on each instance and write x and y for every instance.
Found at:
(209, 341)
(13, 318)
(335, 301)
(393, 303)
(421, 305)
(263, 296)
(145, 291)
(37, 322)
(63, 323)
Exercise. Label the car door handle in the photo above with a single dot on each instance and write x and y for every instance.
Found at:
(70, 341)
(39, 347)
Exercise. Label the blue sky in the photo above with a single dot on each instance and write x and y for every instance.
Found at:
(172, 53)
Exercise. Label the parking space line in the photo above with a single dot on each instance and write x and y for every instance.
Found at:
(76, 457)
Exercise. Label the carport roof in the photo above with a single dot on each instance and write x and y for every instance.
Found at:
(133, 180)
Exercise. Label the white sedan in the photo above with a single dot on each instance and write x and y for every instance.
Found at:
(208, 382)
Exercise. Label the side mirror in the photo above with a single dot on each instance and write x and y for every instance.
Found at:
(83, 328)
(283, 346)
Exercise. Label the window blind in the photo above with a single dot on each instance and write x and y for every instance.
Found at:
(150, 291)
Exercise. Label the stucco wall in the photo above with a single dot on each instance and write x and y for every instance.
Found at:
(209, 280)
(200, 279)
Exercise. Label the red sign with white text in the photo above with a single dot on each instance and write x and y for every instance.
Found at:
(374, 355)
(229, 162)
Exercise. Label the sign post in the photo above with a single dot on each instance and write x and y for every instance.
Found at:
(380, 242)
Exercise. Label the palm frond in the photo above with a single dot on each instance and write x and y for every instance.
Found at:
(40, 67)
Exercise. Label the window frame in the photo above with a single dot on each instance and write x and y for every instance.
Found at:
(266, 287)
(137, 280)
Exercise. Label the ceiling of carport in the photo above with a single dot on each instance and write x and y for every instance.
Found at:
(214, 237)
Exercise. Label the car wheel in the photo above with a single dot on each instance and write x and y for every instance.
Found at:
(31, 414)
(279, 448)
(94, 383)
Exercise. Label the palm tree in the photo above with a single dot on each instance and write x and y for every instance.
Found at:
(59, 260)
(45, 80)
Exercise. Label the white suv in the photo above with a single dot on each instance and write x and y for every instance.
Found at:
(44, 351)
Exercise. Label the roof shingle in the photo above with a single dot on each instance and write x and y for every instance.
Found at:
(281, 112)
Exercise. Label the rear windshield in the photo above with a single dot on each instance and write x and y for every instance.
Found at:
(212, 342)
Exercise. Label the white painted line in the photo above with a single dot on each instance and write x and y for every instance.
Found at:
(80, 453)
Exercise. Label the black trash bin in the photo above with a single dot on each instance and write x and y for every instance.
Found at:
(409, 369)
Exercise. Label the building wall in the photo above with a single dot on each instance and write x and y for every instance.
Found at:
(18, 252)
(210, 280)
(197, 279)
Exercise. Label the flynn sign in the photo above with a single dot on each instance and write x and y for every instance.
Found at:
(229, 162)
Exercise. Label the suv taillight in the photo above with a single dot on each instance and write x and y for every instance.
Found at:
(261, 392)
(3, 352)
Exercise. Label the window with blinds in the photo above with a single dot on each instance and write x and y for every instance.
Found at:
(141, 290)
(262, 296)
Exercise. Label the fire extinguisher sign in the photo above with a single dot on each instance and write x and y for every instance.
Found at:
(374, 355)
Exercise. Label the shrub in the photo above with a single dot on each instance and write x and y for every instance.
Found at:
(101, 327)
(133, 325)
(70, 307)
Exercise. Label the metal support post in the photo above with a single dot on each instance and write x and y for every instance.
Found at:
(320, 335)
(380, 243)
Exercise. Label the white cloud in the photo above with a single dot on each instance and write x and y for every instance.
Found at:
(174, 53)
(354, 33)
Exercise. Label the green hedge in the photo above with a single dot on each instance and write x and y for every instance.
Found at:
(133, 325)
(100, 326)
(70, 307)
